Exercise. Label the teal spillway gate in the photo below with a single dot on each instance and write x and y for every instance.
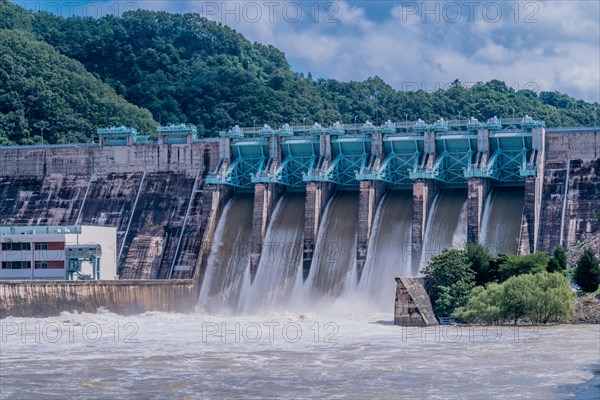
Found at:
(454, 156)
(449, 152)
(298, 157)
(248, 158)
(348, 156)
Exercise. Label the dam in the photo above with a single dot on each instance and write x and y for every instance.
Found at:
(267, 217)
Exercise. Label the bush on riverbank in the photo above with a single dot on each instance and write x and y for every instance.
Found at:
(587, 272)
(475, 286)
(449, 280)
(539, 298)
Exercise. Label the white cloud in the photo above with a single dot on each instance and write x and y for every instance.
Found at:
(555, 44)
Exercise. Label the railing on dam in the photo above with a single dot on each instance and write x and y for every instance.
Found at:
(398, 153)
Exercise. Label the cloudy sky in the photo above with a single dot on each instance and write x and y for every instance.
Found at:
(540, 45)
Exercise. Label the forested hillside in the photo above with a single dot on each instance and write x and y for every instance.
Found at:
(44, 92)
(186, 69)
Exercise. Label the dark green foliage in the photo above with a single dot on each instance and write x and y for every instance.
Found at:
(540, 298)
(587, 272)
(560, 254)
(519, 265)
(186, 69)
(41, 89)
(450, 278)
(480, 258)
(558, 262)
(553, 265)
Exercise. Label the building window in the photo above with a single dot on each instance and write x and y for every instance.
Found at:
(16, 265)
(41, 246)
(15, 246)
(41, 265)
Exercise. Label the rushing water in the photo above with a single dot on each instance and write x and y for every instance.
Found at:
(288, 355)
(389, 250)
(281, 260)
(501, 223)
(229, 257)
(328, 344)
(446, 225)
(334, 261)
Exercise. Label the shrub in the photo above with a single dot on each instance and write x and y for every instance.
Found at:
(484, 305)
(480, 258)
(519, 265)
(587, 272)
(550, 299)
(450, 279)
(540, 298)
(560, 255)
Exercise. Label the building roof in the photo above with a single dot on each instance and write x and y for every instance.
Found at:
(39, 230)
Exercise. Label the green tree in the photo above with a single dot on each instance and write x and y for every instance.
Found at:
(53, 95)
(519, 265)
(450, 278)
(560, 255)
(587, 272)
(540, 298)
(485, 304)
(480, 258)
(553, 265)
(551, 298)
(517, 296)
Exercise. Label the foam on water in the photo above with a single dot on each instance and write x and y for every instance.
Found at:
(291, 355)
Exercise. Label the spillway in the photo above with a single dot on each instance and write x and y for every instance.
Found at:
(335, 252)
(229, 258)
(446, 225)
(281, 259)
(389, 250)
(501, 222)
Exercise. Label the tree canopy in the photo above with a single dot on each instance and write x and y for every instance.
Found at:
(587, 272)
(450, 278)
(44, 92)
(184, 68)
(539, 298)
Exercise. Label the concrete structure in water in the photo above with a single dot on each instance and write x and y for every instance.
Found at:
(412, 305)
(166, 198)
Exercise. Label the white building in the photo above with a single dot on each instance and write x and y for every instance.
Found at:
(46, 252)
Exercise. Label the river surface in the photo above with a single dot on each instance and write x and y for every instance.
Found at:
(323, 354)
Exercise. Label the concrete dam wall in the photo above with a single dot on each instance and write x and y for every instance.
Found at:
(145, 191)
(48, 298)
(167, 201)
